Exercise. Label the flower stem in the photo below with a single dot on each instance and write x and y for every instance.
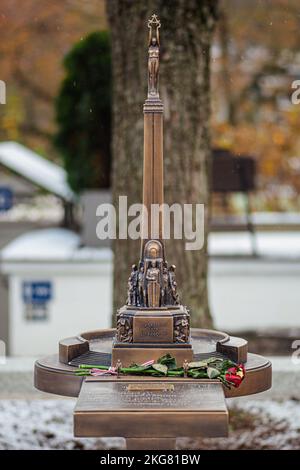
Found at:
(88, 366)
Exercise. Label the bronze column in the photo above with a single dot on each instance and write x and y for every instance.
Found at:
(153, 140)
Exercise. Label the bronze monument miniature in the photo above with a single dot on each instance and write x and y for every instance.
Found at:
(153, 316)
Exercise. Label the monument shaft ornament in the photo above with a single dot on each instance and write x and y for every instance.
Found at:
(153, 316)
(152, 379)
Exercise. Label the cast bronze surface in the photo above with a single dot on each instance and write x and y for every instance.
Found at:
(235, 349)
(96, 395)
(149, 330)
(53, 376)
(203, 340)
(162, 386)
(152, 282)
(186, 409)
(69, 348)
(148, 325)
(153, 60)
(101, 341)
(140, 354)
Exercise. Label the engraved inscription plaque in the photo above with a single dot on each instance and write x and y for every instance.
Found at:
(114, 396)
(153, 329)
(163, 387)
(164, 408)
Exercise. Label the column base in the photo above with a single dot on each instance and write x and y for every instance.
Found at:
(133, 354)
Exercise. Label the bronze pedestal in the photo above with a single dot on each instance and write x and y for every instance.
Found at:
(55, 374)
(145, 334)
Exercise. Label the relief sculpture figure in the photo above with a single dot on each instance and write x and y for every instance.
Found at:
(132, 286)
(141, 297)
(153, 285)
(165, 285)
(173, 286)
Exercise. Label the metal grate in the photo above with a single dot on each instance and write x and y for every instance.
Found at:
(202, 356)
(104, 359)
(92, 358)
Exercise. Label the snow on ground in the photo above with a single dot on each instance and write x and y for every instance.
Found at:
(257, 424)
(44, 424)
(47, 424)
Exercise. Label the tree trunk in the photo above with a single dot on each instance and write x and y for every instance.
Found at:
(186, 34)
(227, 99)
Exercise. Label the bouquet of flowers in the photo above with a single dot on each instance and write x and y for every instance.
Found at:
(225, 370)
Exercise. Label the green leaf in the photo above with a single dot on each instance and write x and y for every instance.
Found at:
(228, 363)
(168, 361)
(212, 373)
(198, 374)
(198, 365)
(160, 368)
(214, 359)
(175, 373)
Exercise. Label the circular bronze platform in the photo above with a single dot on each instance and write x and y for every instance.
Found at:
(203, 341)
(53, 376)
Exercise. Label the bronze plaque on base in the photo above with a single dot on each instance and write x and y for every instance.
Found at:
(153, 329)
(163, 409)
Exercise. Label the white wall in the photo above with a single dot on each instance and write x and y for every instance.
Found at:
(254, 294)
(81, 301)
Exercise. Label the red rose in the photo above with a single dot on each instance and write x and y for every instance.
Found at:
(232, 370)
(233, 379)
(235, 375)
(241, 370)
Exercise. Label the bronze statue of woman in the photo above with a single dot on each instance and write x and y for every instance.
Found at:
(153, 55)
(153, 284)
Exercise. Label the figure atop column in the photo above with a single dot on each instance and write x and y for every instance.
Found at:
(153, 56)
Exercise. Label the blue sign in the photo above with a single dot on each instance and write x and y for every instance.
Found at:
(37, 292)
(6, 198)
